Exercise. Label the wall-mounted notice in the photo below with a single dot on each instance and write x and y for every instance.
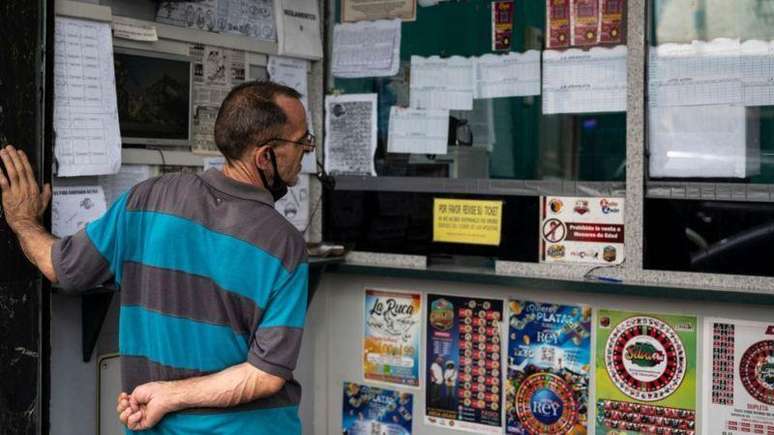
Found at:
(758, 72)
(72, 207)
(441, 83)
(393, 329)
(464, 357)
(558, 23)
(549, 352)
(366, 49)
(581, 230)
(585, 22)
(372, 10)
(502, 25)
(473, 222)
(298, 29)
(350, 142)
(295, 204)
(738, 376)
(645, 373)
(612, 26)
(369, 410)
(696, 74)
(254, 18)
(417, 131)
(576, 81)
(136, 30)
(88, 140)
(508, 75)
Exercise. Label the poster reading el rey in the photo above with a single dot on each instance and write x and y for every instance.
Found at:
(549, 353)
(645, 373)
(739, 376)
(464, 357)
(581, 230)
(368, 410)
(392, 332)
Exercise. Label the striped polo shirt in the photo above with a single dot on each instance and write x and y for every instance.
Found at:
(210, 276)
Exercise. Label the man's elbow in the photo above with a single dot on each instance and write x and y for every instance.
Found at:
(272, 384)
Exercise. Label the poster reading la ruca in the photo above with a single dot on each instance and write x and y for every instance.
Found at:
(464, 357)
(739, 377)
(581, 230)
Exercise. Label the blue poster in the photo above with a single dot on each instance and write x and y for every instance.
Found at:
(549, 349)
(370, 410)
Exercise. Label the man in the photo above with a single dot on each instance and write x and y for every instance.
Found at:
(213, 281)
(450, 381)
(436, 381)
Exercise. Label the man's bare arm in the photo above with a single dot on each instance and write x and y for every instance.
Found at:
(23, 205)
(233, 386)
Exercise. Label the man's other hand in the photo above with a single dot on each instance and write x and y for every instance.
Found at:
(147, 405)
(23, 202)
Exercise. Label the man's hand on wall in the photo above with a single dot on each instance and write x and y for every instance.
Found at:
(23, 202)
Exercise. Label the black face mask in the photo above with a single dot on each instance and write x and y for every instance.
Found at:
(278, 187)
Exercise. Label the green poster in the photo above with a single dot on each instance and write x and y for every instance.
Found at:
(645, 373)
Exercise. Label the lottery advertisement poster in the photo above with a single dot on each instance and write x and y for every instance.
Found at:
(393, 322)
(369, 410)
(645, 373)
(739, 377)
(463, 359)
(549, 354)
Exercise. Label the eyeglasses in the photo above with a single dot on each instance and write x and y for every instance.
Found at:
(308, 141)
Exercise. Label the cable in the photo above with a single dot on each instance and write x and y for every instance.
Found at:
(328, 182)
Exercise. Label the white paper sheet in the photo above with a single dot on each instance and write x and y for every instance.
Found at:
(703, 141)
(129, 175)
(441, 83)
(366, 49)
(293, 73)
(72, 207)
(295, 205)
(254, 18)
(350, 139)
(758, 72)
(417, 131)
(298, 29)
(88, 140)
(371, 10)
(696, 74)
(135, 30)
(576, 81)
(509, 75)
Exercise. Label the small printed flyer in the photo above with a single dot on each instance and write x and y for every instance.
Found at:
(739, 376)
(370, 410)
(393, 329)
(581, 230)
(645, 373)
(549, 352)
(464, 357)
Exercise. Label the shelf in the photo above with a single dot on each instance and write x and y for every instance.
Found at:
(740, 192)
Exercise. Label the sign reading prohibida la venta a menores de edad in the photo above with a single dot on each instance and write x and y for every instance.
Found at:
(581, 230)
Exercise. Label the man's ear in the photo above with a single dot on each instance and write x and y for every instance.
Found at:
(261, 157)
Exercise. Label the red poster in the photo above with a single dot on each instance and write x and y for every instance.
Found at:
(558, 23)
(502, 25)
(613, 24)
(585, 28)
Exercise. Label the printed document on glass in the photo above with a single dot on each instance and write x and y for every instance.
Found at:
(576, 81)
(298, 29)
(371, 10)
(758, 72)
(293, 73)
(295, 204)
(509, 75)
(366, 49)
(417, 131)
(350, 139)
(696, 74)
(129, 175)
(72, 207)
(441, 83)
(254, 18)
(88, 140)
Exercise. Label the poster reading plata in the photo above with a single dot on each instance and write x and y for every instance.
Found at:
(464, 339)
(393, 323)
(645, 373)
(739, 378)
(370, 410)
(549, 348)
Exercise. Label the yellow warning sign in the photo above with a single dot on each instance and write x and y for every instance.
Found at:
(467, 221)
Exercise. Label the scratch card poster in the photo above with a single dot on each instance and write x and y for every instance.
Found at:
(549, 354)
(645, 373)
(464, 339)
(393, 322)
(369, 410)
(739, 376)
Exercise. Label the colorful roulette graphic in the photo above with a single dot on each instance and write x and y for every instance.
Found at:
(645, 358)
(545, 404)
(756, 369)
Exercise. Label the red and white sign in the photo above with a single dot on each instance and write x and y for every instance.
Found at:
(581, 230)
